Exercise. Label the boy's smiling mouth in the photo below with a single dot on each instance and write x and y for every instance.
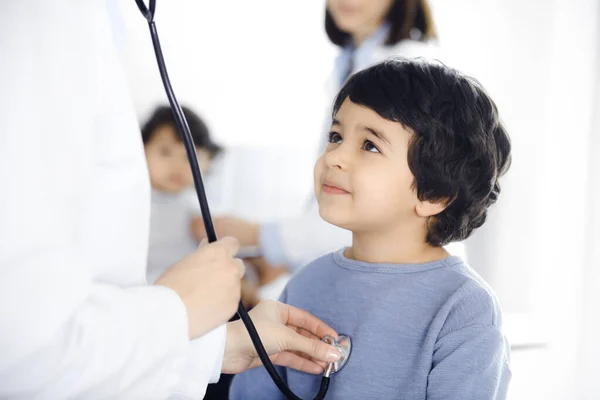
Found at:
(331, 188)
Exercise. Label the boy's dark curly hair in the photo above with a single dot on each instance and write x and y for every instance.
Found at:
(459, 148)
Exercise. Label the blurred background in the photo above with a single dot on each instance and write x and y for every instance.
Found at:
(255, 72)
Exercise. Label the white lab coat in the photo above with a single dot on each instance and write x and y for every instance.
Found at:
(307, 236)
(77, 319)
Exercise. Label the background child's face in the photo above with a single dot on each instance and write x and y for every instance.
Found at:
(167, 161)
(362, 179)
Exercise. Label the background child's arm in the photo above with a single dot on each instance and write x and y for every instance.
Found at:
(266, 272)
(470, 363)
(250, 296)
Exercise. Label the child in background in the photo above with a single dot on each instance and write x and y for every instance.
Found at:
(175, 209)
(173, 202)
(414, 157)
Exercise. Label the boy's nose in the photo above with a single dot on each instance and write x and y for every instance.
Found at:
(339, 157)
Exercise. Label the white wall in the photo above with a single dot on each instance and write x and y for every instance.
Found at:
(254, 70)
(588, 351)
(539, 60)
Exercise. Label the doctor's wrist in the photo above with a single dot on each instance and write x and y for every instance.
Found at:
(236, 358)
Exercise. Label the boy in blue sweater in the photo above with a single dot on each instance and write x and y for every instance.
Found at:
(414, 156)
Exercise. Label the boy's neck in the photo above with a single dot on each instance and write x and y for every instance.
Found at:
(397, 247)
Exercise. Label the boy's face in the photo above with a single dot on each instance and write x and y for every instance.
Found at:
(167, 161)
(362, 179)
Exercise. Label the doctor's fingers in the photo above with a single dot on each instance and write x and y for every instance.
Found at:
(308, 335)
(241, 266)
(297, 361)
(313, 348)
(297, 318)
(225, 247)
(231, 262)
(224, 251)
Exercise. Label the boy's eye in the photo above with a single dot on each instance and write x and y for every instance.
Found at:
(335, 137)
(165, 151)
(369, 146)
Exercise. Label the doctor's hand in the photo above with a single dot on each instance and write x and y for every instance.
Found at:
(291, 337)
(209, 283)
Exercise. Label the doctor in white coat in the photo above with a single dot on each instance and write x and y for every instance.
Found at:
(367, 32)
(77, 319)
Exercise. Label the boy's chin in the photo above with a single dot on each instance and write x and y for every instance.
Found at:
(336, 217)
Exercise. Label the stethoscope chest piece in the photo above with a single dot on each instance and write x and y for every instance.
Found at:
(344, 346)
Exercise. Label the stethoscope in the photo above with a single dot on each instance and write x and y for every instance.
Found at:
(343, 344)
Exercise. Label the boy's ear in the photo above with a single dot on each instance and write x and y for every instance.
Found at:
(425, 209)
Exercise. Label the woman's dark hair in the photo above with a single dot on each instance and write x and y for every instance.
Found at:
(406, 17)
(163, 115)
(459, 148)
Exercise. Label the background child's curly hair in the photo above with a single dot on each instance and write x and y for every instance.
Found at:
(459, 148)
